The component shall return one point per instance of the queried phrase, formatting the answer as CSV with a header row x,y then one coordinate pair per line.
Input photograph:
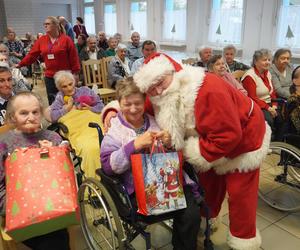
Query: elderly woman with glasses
x,y
58,52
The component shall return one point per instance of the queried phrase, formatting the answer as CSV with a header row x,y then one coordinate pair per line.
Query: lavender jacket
x,y
57,109
118,145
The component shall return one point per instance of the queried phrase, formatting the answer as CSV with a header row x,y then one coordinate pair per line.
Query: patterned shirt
x,y
15,46
3,105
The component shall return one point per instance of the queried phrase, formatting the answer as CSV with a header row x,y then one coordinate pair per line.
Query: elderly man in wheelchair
x,y
130,132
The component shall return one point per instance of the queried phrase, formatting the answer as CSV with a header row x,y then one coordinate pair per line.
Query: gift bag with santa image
x,y
158,181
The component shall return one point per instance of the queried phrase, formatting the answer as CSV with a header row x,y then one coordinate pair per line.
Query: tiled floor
x,y
279,230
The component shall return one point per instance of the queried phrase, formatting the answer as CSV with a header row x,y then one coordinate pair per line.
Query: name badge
x,y
50,56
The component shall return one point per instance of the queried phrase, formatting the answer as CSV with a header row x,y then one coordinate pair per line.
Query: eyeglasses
x,y
46,24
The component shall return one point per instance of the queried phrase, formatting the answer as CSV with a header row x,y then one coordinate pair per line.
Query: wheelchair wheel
x,y
100,222
279,184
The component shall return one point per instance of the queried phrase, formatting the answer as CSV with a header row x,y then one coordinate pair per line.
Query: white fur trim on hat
x,y
244,244
148,73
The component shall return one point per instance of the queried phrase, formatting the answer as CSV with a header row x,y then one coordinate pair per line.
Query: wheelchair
x,y
109,219
279,184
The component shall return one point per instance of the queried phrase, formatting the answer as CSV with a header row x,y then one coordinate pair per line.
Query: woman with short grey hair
x,y
118,67
229,53
281,72
258,83
70,97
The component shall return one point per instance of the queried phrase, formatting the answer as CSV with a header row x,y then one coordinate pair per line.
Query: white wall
x,y
28,15
3,24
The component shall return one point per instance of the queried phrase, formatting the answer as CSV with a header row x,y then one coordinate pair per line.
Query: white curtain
x,y
138,17
226,21
110,19
89,19
289,16
174,14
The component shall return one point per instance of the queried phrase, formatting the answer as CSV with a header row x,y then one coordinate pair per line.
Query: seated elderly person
x,y
281,72
102,40
91,51
81,43
216,65
4,50
76,108
25,111
148,48
12,60
205,54
229,53
134,49
16,48
293,102
258,83
133,131
118,36
6,91
112,45
118,67
20,83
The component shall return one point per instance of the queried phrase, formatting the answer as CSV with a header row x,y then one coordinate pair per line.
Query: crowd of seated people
x,y
263,82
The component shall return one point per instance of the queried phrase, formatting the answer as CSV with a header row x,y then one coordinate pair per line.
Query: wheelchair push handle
x,y
100,134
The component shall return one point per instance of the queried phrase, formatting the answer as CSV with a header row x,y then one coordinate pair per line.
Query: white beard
x,y
174,108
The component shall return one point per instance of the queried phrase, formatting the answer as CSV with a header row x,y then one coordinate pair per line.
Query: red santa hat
x,y
155,66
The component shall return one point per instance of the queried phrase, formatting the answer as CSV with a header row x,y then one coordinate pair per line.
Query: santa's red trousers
x,y
242,191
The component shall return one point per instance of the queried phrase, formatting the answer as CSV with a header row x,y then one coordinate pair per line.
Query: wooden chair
x,y
95,72
189,61
238,74
92,72
105,61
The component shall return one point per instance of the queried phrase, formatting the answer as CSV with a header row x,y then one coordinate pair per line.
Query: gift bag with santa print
x,y
41,192
158,179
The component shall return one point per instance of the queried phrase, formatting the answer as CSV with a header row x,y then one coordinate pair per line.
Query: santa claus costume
x,y
223,135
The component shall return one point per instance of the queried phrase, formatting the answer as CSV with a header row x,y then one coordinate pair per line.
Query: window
x,y
174,25
138,17
88,1
226,21
110,18
288,28
89,19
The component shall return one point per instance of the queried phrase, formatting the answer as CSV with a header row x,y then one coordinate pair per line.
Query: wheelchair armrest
x,y
279,100
58,126
106,178
189,170
99,130
118,191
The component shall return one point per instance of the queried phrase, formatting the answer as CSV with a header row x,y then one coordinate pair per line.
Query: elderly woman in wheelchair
x,y
280,172
75,108
134,131
25,111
